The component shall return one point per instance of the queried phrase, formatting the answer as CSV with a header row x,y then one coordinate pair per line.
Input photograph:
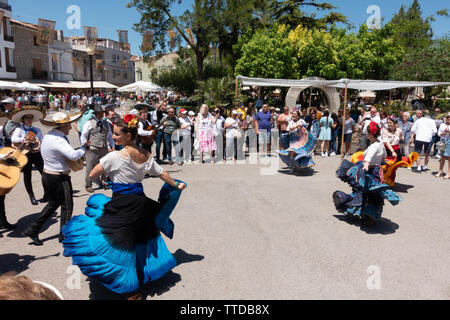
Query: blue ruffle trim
x,y
120,270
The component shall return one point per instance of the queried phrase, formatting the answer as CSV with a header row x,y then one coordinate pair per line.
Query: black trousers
x,y
2,210
60,194
36,160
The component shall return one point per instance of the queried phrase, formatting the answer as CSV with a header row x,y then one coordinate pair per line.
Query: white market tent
x,y
43,85
374,85
26,86
141,87
7,85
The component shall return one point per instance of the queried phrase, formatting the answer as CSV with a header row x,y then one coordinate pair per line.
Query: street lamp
x,y
91,52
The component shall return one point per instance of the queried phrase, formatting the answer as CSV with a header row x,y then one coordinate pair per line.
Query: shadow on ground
x,y
383,226
307,172
155,288
12,262
402,188
24,222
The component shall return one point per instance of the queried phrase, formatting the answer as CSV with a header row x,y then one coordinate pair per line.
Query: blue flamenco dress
x,y
118,242
368,193
303,144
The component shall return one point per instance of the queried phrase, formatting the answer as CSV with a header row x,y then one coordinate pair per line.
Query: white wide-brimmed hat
x,y
60,118
18,114
8,100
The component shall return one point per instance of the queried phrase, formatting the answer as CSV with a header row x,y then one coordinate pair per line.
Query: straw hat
x,y
60,118
18,114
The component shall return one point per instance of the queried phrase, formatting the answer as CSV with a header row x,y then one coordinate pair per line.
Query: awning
x,y
140,87
374,85
74,84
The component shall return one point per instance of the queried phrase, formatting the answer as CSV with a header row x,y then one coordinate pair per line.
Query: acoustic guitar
x,y
149,139
32,144
10,169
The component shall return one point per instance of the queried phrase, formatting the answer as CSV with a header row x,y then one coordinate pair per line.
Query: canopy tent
x,y
141,87
26,86
7,85
75,84
374,85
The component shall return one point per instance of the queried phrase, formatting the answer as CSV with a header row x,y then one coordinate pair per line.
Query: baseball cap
x,y
183,111
191,113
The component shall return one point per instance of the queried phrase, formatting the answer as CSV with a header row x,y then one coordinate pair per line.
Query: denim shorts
x,y
419,145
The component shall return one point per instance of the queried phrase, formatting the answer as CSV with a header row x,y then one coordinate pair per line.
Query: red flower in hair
x,y
374,129
127,118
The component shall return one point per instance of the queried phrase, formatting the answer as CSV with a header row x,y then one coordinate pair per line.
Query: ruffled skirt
x,y
368,193
303,145
118,242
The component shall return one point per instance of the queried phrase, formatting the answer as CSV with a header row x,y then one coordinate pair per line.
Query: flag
x,y
147,43
55,57
99,63
173,39
123,39
46,32
190,35
91,36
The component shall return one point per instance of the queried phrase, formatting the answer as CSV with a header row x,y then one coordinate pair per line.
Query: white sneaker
x,y
424,168
323,155
332,154
419,169
438,157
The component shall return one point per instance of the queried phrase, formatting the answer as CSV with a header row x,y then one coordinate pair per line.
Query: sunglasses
x,y
28,117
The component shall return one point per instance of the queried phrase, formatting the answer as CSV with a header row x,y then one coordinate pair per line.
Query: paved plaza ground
x,y
240,234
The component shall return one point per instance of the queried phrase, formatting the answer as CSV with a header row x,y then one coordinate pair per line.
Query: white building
x,y
60,59
7,46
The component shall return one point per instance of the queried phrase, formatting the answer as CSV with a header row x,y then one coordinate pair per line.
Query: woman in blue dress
x,y
325,133
118,242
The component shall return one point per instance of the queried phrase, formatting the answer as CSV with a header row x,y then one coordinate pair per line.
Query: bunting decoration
x,y
99,63
91,36
172,37
190,35
147,43
55,57
46,32
123,40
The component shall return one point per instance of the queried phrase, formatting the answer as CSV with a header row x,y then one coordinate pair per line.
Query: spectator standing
x,y
364,122
204,125
348,132
283,123
444,134
334,134
405,125
436,138
423,131
325,133
263,128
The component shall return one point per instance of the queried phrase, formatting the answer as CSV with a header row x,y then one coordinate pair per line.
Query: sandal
x,y
439,175
447,177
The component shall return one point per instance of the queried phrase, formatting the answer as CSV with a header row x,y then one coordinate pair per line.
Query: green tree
x,y
268,54
215,92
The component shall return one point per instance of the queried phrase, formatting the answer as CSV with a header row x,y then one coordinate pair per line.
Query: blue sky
x,y
110,15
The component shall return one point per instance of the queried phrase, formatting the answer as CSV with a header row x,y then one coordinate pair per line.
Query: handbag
x,y
237,133
216,132
440,145
196,143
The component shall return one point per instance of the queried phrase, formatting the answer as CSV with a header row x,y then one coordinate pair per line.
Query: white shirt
x,y
20,134
184,122
229,133
442,129
122,169
88,127
55,149
142,132
292,124
375,153
376,119
424,129
219,123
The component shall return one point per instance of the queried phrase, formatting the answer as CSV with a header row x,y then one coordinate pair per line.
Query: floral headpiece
x,y
130,120
374,129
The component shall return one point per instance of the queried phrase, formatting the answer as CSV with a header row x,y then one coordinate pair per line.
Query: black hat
x,y
140,106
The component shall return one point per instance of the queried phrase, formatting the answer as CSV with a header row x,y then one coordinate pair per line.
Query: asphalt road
x,y
242,234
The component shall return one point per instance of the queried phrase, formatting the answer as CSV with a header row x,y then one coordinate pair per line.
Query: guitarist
x,y
56,150
29,138
145,130
4,224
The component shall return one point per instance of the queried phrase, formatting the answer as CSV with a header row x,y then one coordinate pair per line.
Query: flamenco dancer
x,y
302,145
118,241
366,179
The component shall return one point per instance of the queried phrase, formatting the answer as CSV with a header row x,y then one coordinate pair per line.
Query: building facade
x,y
60,59
7,45
144,69
111,63
30,59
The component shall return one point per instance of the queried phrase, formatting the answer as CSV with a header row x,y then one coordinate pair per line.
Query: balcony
x,y
10,69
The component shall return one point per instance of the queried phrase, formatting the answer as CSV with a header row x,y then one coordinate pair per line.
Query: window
x,y
125,75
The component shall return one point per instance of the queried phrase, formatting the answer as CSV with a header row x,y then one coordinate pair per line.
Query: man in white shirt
x,y
56,150
98,136
423,131
366,120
